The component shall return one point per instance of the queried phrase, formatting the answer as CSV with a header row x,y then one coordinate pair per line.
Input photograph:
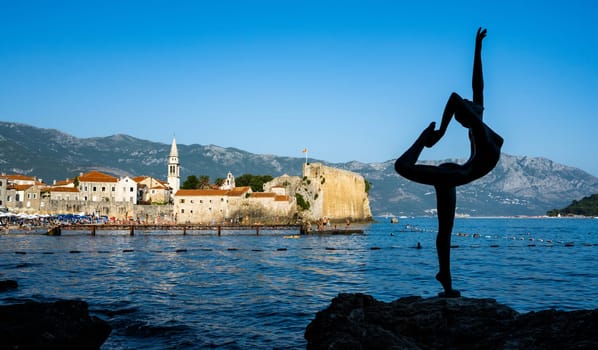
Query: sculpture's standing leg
x,y
446,202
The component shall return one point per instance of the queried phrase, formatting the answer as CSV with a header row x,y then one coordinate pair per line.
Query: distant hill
x,y
587,206
517,186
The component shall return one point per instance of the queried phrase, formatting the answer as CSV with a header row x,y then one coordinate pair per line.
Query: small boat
x,y
394,220
54,231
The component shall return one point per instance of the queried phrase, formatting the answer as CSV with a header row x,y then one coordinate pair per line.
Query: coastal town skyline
x,y
347,81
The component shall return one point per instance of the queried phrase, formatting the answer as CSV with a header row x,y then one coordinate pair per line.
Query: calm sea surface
x,y
239,290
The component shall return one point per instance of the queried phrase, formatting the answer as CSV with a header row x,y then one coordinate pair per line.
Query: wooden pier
x,y
132,228
184,229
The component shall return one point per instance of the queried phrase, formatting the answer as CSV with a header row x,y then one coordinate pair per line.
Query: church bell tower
x,y
174,177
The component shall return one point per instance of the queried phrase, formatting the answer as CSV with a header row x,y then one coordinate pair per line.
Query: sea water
x,y
161,290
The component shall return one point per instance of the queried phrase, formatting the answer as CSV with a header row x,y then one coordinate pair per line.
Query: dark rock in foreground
x,y
358,321
60,325
8,285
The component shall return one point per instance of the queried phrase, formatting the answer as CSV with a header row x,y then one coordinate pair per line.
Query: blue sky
x,y
349,80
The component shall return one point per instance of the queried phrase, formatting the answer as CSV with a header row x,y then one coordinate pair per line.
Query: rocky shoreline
x,y
358,321
63,324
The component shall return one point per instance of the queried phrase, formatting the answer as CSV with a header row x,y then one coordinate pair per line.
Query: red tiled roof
x,y
263,195
239,191
63,182
96,176
20,187
201,193
20,177
284,198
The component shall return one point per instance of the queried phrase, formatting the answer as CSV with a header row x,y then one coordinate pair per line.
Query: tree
x,y
204,182
191,183
255,181
219,181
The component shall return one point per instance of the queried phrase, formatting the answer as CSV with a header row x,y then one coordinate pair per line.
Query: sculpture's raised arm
x,y
477,80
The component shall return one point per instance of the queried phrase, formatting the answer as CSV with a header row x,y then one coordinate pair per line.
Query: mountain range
x,y
519,185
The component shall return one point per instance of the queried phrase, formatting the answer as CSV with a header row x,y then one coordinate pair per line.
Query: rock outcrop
x,y
6,285
326,192
64,324
358,321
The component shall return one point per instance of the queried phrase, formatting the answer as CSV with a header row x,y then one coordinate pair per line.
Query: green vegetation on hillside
x,y
587,206
301,202
368,186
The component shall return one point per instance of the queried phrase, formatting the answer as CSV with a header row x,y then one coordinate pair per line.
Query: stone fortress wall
x,y
119,210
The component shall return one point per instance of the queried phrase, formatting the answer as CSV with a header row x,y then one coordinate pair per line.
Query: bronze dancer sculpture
x,y
485,152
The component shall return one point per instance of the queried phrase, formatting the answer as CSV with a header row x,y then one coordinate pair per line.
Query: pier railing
x,y
131,228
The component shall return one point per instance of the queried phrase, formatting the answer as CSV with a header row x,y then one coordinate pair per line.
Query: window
x,y
182,200
113,188
131,189
28,195
93,189
182,211
103,189
8,199
35,196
